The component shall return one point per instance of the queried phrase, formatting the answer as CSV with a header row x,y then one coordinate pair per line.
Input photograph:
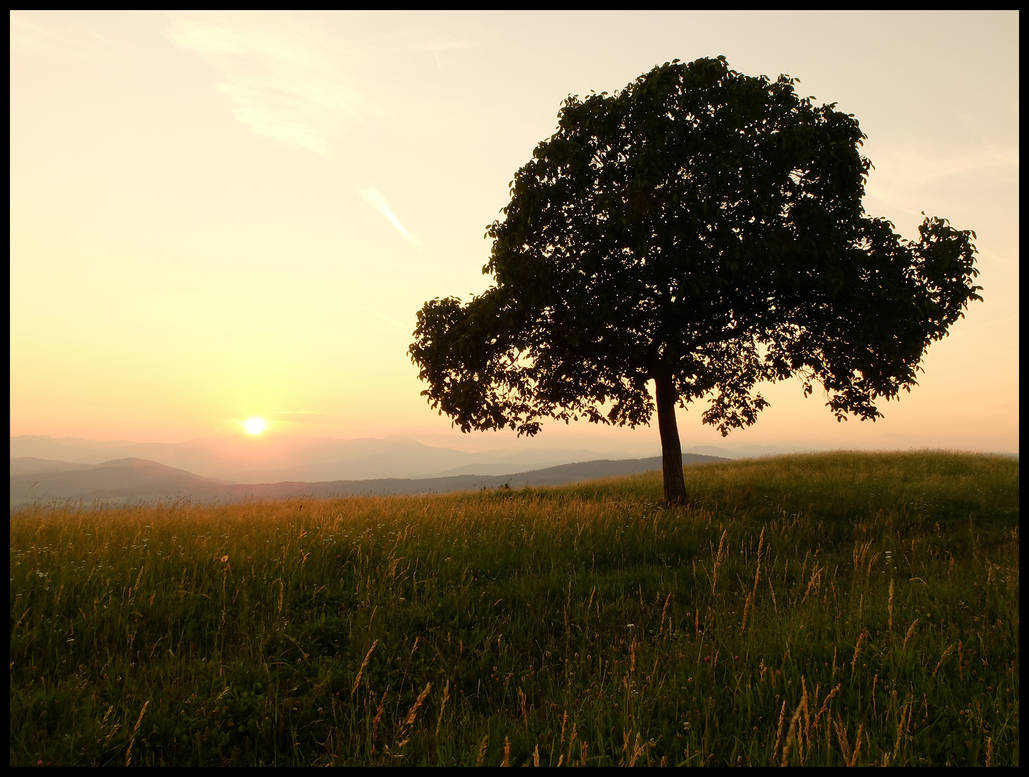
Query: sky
x,y
218,216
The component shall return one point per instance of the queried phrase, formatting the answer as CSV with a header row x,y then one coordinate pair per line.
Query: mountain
x,y
134,480
119,480
295,458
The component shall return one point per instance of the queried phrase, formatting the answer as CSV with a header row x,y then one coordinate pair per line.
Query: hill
x,y
298,458
115,480
819,610
134,480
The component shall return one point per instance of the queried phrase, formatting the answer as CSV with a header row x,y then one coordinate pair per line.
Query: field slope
x,y
814,610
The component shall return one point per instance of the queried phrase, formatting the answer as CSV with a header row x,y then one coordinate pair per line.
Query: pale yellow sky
x,y
223,215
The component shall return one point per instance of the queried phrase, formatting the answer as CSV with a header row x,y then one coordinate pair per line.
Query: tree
x,y
701,229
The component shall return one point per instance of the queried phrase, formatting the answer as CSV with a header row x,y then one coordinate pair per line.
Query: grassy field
x,y
840,609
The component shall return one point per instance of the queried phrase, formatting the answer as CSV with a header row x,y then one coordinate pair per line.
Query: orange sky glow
x,y
221,216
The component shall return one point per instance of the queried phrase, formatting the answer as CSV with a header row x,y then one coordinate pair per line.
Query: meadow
x,y
817,610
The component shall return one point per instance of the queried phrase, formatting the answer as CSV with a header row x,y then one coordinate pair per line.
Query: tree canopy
x,y
704,230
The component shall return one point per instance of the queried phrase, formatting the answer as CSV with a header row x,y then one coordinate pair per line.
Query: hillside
x,y
138,480
119,479
820,610
311,459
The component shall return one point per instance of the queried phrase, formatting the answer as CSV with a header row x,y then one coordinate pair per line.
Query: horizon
x,y
120,475
248,209
725,446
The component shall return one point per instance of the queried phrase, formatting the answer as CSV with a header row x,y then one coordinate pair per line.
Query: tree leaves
x,y
702,223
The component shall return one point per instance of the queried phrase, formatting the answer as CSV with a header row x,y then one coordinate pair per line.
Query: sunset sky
x,y
218,216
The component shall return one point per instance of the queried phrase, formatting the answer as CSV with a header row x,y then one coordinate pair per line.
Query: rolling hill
x,y
133,480
237,459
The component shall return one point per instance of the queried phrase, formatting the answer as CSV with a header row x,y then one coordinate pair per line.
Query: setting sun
x,y
255,425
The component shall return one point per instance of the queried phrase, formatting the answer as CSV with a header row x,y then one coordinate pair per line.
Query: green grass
x,y
805,610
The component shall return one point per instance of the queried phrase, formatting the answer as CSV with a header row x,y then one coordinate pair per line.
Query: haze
x,y
221,216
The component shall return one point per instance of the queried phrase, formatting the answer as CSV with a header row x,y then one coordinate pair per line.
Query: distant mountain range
x,y
238,459
135,480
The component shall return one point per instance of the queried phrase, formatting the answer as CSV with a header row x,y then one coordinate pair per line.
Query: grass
x,y
819,610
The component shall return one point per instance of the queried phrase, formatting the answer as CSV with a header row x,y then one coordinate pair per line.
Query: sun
x,y
255,426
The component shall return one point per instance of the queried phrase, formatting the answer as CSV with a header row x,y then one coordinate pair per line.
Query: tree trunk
x,y
671,450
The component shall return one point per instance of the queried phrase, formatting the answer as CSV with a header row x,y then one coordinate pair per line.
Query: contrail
x,y
376,199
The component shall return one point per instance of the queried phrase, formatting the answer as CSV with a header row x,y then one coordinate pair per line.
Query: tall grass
x,y
842,609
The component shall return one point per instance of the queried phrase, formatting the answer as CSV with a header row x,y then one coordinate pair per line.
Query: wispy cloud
x,y
282,84
377,200
422,39
416,41
391,321
919,166
48,34
903,175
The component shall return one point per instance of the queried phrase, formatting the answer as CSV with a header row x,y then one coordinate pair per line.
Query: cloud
x,y
391,321
377,200
433,45
904,175
281,83
920,166
424,38
65,36
277,113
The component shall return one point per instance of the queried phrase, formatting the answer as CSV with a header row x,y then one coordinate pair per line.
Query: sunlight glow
x,y
300,183
255,426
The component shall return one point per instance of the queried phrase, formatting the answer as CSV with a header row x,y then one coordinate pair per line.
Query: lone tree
x,y
701,229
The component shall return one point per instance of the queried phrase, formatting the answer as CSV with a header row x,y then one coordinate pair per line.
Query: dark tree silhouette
x,y
701,229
